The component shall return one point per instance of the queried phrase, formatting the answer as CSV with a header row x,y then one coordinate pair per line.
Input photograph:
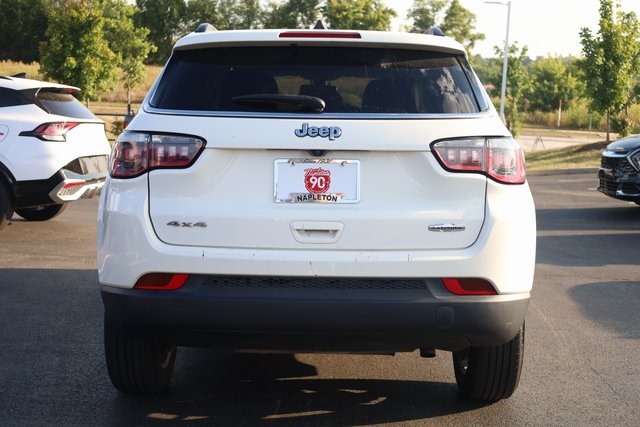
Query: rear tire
x,y
41,213
490,373
6,205
137,365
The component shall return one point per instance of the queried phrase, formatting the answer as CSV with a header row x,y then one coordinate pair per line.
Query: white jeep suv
x,y
317,191
52,149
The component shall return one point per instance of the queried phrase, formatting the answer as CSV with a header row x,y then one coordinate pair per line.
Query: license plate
x,y
316,181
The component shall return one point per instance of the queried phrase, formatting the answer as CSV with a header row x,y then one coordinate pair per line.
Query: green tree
x,y
164,19
518,85
426,14
453,19
358,14
128,42
22,27
200,11
459,23
249,12
553,80
228,18
238,14
488,69
611,59
76,51
292,14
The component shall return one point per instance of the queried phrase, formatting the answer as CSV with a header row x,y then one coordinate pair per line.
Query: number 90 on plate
x,y
332,181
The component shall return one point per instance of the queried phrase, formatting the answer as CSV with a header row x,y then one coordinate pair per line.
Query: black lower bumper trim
x,y
37,192
299,320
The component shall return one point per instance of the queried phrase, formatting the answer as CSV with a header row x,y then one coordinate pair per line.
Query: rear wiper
x,y
282,103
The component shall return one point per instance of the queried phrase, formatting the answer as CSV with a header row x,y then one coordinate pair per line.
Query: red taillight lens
x,y
135,153
469,286
52,131
161,281
501,159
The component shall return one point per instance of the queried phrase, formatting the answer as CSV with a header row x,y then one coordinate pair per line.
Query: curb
x,y
546,172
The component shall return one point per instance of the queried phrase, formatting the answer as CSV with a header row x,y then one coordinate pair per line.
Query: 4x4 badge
x,y
331,132
187,224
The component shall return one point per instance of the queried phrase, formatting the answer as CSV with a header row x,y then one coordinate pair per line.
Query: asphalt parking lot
x,y
582,365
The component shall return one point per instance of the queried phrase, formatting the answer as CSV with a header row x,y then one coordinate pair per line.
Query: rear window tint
x,y
63,104
348,80
11,98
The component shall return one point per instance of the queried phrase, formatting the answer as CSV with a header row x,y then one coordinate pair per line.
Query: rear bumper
x,y
79,187
82,178
334,315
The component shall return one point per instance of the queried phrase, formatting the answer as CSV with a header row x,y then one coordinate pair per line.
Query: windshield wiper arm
x,y
282,103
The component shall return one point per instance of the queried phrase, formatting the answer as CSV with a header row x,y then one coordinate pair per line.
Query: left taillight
x,y
135,153
501,159
55,131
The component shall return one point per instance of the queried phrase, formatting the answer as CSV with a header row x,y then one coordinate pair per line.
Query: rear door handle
x,y
316,231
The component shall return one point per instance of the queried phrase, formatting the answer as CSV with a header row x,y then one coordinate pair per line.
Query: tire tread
x,y
494,371
134,365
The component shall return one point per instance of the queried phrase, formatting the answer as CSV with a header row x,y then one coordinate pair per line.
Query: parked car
x,y
317,191
52,149
619,173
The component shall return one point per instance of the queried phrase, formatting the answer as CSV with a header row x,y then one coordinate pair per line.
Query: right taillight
x,y
501,159
135,153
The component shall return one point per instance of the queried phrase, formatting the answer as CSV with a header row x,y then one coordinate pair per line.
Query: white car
x,y
317,191
52,149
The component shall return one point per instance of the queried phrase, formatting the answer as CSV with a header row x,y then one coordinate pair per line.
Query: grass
x,y
9,68
574,157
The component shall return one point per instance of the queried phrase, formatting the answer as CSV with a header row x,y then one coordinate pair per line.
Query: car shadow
x,y
212,388
614,305
53,372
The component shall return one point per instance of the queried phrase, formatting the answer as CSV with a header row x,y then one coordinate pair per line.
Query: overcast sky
x,y
547,27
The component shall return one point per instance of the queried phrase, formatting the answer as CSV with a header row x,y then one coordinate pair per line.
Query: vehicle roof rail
x,y
20,75
435,31
205,27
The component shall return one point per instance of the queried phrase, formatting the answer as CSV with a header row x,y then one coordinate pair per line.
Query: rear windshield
x,y
62,104
347,80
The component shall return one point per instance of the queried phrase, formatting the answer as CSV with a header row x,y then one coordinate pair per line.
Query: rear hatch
x,y
279,170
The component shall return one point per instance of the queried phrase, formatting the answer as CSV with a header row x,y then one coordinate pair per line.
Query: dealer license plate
x,y
316,181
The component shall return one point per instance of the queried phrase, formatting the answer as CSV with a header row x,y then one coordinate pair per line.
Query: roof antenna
x,y
205,27
319,25
434,31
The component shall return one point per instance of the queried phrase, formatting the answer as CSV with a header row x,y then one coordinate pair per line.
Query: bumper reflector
x,y
161,281
469,286
71,188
